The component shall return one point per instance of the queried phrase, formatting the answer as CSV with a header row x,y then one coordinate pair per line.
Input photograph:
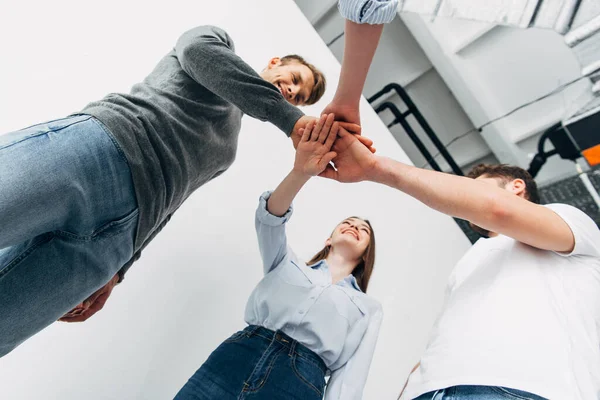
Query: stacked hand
x,y
324,141
314,153
353,162
346,113
351,127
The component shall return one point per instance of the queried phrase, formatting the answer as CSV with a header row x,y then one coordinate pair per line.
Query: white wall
x,y
188,292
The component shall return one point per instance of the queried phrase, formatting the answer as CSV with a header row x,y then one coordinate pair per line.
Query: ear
x,y
274,62
328,242
518,187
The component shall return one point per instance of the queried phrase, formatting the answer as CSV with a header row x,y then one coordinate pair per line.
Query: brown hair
x,y
363,270
319,84
508,173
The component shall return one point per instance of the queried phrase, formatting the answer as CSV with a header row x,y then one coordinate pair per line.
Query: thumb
x,y
324,162
329,173
365,140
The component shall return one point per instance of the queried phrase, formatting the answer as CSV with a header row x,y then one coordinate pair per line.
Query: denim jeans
x,y
258,364
478,393
68,216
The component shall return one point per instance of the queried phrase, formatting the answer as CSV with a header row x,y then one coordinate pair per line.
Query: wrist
x,y
299,176
381,171
344,98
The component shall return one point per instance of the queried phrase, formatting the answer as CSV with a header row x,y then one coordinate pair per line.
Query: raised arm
x,y
487,206
363,28
312,156
207,55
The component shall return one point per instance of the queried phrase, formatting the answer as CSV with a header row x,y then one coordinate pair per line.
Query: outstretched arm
x,y
364,25
485,205
359,49
207,55
312,156
274,210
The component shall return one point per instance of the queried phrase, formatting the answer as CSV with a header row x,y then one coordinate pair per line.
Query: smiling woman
x,y
362,231
304,320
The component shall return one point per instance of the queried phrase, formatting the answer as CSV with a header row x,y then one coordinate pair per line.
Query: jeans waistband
x,y
286,341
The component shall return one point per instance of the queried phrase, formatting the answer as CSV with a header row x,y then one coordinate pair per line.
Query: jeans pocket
x,y
309,373
115,227
514,394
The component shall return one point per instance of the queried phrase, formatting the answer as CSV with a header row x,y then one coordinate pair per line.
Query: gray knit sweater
x,y
179,127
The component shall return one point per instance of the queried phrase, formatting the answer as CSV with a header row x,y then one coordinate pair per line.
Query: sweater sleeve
x,y
207,55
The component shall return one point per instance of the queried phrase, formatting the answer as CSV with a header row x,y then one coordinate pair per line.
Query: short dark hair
x,y
319,79
508,173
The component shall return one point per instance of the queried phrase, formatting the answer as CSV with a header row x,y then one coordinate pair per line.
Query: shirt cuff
x,y
265,217
374,12
285,115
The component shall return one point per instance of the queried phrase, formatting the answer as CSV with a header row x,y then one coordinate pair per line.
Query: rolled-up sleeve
x,y
348,382
372,12
270,230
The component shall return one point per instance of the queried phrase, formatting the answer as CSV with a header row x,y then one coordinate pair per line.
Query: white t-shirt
x,y
520,317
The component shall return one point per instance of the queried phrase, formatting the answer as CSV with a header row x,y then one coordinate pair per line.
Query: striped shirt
x,y
372,12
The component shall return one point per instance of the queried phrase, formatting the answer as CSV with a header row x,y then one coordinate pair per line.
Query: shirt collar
x,y
350,280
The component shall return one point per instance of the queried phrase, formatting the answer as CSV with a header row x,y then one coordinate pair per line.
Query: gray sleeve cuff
x,y
265,217
285,115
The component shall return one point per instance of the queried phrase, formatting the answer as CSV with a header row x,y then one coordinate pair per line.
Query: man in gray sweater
x,y
82,196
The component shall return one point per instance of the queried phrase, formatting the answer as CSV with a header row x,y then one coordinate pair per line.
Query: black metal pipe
x,y
400,119
542,156
412,108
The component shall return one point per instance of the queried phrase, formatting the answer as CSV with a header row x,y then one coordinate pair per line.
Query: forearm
x,y
359,49
282,197
449,194
491,207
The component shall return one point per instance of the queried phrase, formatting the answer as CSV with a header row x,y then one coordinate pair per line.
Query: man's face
x,y
295,81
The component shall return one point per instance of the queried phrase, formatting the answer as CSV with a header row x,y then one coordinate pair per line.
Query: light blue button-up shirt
x,y
369,11
338,321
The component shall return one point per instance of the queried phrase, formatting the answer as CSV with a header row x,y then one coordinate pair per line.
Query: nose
x,y
292,90
353,226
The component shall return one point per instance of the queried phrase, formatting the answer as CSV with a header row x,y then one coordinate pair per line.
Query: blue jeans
x,y
68,217
478,393
257,364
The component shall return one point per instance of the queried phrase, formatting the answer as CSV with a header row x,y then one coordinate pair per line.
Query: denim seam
x,y
268,371
45,132
236,337
262,336
506,393
11,265
311,361
87,238
113,140
299,375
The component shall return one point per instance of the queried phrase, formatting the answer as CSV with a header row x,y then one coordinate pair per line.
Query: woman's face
x,y
353,234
